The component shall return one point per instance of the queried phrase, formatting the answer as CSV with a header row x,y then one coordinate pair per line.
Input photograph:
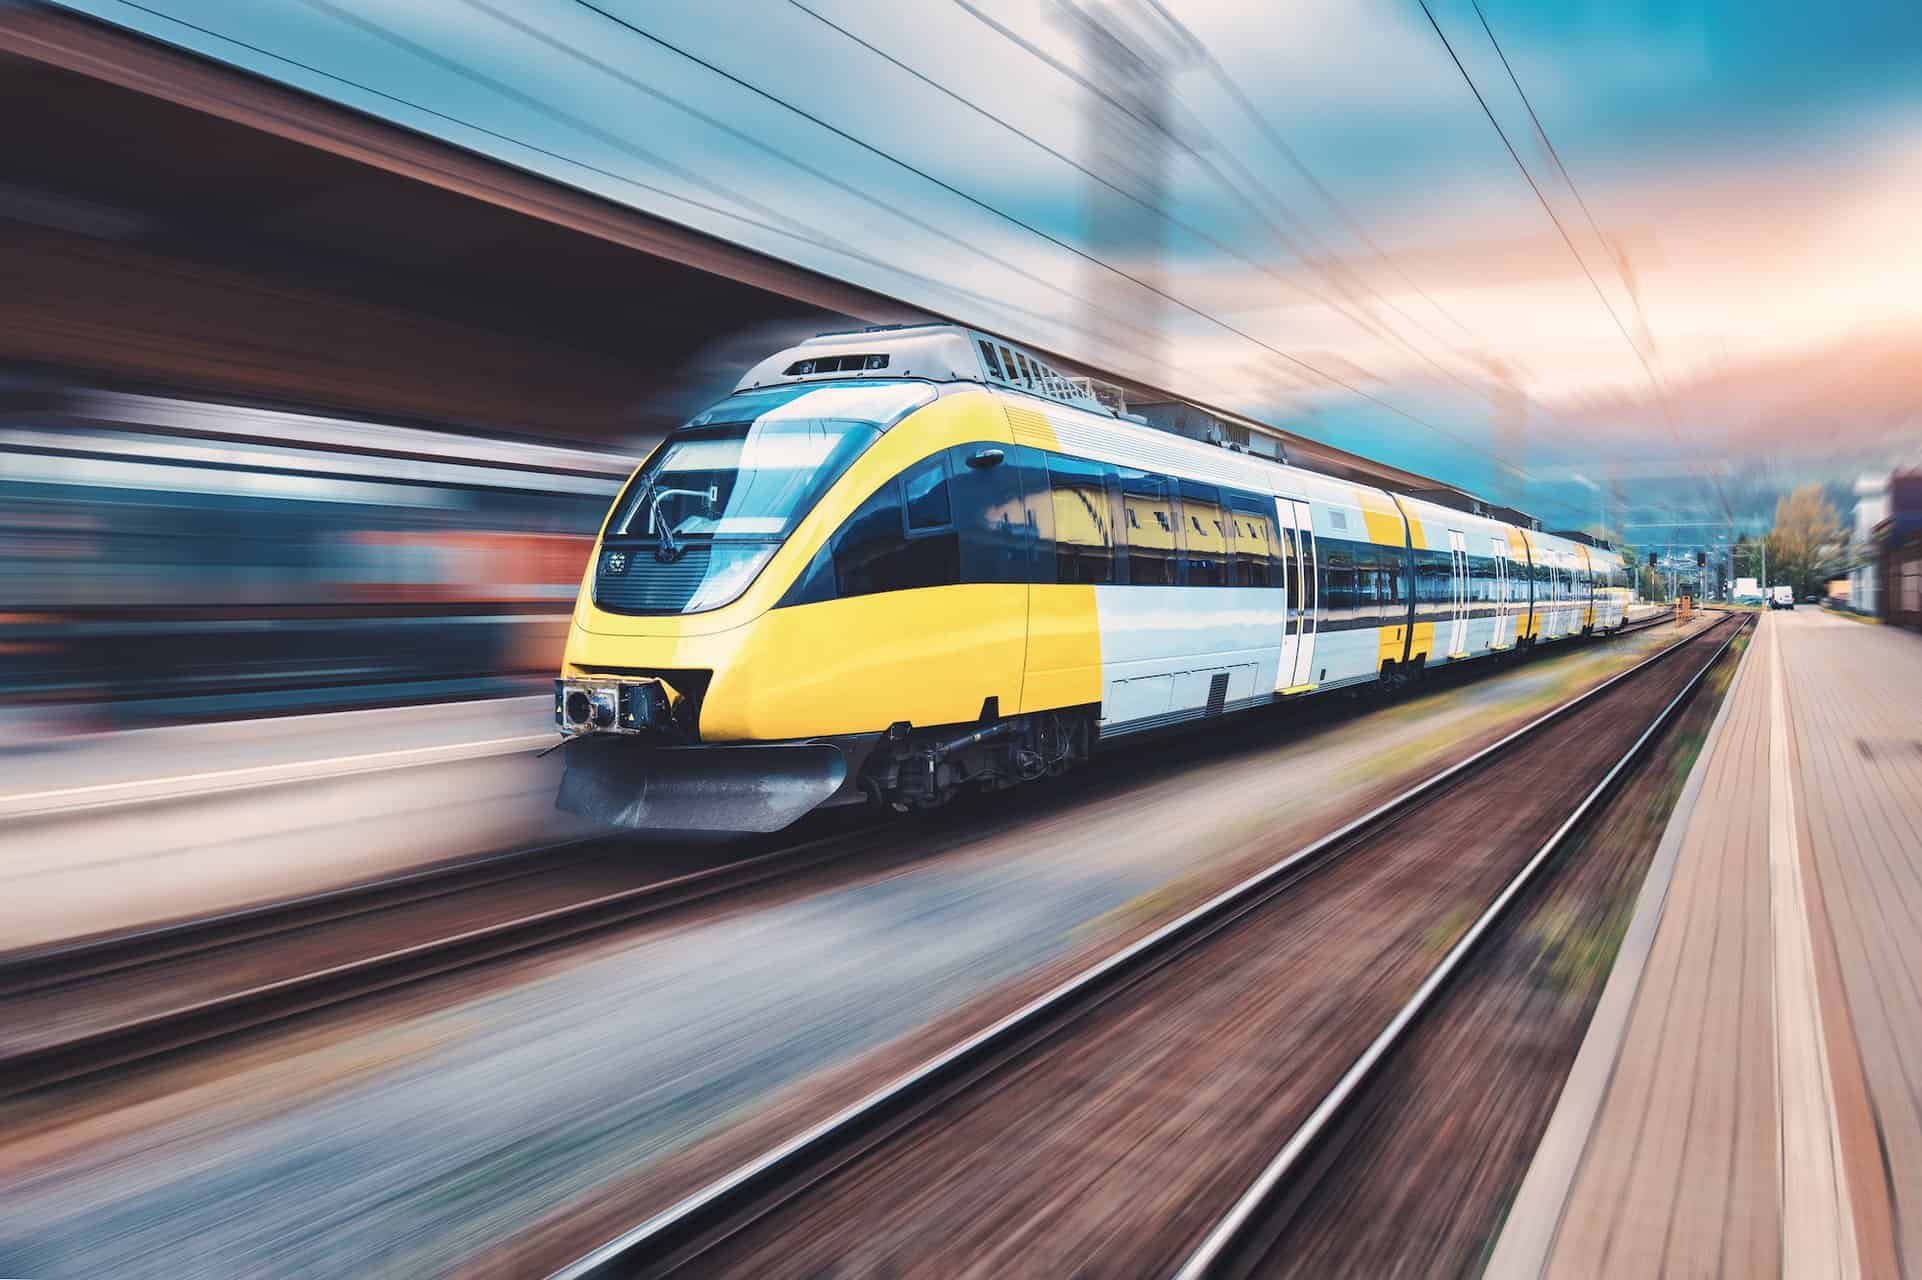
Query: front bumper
x,y
625,781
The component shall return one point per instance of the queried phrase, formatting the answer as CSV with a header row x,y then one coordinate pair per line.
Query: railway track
x,y
78,1010
937,1163
74,1011
1245,1234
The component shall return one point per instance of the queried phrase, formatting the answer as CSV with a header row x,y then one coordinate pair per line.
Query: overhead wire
x,y
1273,136
787,229
1556,156
1200,49
1348,219
1562,230
794,230
392,37
1159,211
1076,77
534,33
1150,207
1002,214
804,235
1261,212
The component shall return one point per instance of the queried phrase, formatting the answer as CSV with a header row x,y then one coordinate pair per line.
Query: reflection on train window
x,y
1434,585
1337,564
991,515
1152,558
927,495
872,553
1256,556
1206,548
1083,539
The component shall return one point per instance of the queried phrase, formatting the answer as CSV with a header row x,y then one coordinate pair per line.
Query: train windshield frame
x,y
721,494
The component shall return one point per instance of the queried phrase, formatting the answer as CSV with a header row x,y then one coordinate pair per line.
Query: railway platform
x,y
1746,1099
120,830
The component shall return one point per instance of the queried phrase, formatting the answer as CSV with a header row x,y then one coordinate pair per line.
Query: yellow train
x,y
898,563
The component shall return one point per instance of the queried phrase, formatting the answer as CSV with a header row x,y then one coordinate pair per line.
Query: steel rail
x,y
170,1030
660,1241
1218,1249
56,964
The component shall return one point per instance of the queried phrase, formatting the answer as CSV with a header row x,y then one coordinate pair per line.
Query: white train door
x,y
1504,636
1458,557
1301,591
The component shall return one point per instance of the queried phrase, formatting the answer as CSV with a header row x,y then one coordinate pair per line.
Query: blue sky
x,y
1751,168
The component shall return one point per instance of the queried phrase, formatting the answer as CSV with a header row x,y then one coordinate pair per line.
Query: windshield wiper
x,y
711,495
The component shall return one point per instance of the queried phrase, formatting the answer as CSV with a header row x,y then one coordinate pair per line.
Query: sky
x,y
1708,291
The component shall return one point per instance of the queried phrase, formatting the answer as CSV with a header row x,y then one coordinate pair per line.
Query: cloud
x,y
1754,176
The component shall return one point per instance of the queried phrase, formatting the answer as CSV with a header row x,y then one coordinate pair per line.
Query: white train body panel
x,y
1172,653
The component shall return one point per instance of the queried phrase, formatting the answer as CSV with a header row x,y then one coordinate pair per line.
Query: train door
x,y
1551,595
1302,594
1585,616
1458,596
1504,635
1558,591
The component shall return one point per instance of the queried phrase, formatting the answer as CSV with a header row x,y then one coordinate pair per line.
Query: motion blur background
x,y
329,326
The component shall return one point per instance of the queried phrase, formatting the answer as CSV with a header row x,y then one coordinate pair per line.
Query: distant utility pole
x,y
1128,122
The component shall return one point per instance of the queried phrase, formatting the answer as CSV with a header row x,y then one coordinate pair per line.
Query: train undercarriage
x,y
633,759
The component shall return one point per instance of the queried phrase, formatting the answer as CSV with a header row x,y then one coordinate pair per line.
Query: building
x,y
1898,539
1865,567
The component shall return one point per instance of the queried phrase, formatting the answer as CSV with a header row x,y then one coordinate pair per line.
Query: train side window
x,y
1373,593
988,358
1203,540
873,552
1030,466
1434,584
1083,535
1153,560
990,515
865,549
927,495
1392,565
1337,565
1256,543
1292,561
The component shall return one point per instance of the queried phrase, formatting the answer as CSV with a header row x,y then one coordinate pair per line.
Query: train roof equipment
x,y
942,351
939,353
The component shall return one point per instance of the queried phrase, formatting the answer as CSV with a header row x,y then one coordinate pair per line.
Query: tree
x,y
1806,541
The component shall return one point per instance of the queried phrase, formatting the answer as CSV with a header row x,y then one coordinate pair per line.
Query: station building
x,y
1894,553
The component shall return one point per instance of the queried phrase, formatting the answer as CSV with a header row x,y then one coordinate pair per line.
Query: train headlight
x,y
623,706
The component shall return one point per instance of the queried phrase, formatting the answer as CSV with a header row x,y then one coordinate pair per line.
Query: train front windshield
x,y
722,493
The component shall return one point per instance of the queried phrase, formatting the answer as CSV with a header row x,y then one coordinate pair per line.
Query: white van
x,y
1782,597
